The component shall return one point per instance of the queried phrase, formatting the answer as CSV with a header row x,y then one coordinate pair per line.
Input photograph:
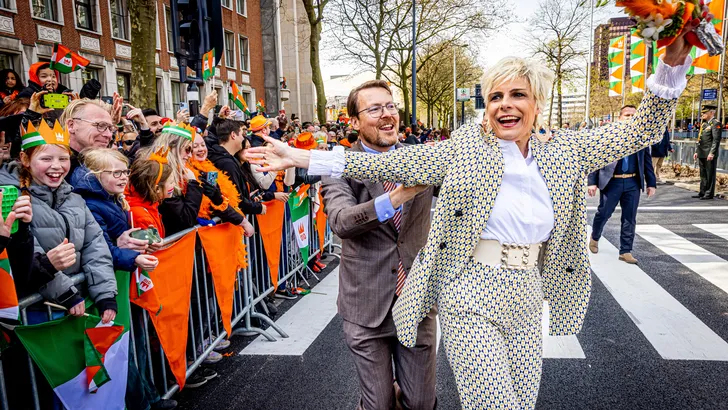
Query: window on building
x,y
92,74
85,12
176,96
168,24
229,49
6,4
244,54
242,7
7,61
226,3
123,83
119,19
45,9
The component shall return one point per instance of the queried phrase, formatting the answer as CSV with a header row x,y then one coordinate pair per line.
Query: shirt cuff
x,y
328,163
383,207
669,82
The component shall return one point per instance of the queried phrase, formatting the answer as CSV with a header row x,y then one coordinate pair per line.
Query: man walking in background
x,y
621,183
658,152
382,227
707,151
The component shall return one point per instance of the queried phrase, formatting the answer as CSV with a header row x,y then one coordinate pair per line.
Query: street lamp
x,y
589,65
455,84
414,64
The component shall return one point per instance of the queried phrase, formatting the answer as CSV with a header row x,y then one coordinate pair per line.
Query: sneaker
x,y
165,404
315,268
195,381
593,246
207,373
222,345
321,265
627,257
284,294
212,358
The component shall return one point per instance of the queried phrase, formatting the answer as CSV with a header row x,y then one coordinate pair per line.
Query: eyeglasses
x,y
128,142
100,126
376,111
119,172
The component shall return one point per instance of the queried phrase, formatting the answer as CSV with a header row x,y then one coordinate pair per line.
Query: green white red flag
x,y
208,65
66,61
298,203
236,96
8,297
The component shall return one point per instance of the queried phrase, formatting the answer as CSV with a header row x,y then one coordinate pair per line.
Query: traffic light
x,y
196,28
479,102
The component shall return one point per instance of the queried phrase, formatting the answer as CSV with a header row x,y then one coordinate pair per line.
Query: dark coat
x,y
231,166
180,212
662,148
107,211
645,172
33,88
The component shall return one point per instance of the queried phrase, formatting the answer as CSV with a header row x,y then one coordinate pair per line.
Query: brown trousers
x,y
376,349
657,165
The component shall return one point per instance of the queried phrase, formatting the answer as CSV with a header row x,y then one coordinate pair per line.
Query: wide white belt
x,y
510,255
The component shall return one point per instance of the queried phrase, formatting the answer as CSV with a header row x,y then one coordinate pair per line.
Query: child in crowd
x,y
10,85
42,78
151,180
67,237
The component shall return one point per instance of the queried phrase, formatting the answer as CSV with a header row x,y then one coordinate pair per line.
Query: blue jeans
x,y
626,193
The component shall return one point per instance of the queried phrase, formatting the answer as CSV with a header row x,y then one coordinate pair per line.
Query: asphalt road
x,y
677,358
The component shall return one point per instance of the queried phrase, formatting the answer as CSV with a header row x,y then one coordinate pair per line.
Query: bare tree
x,y
315,15
558,30
143,49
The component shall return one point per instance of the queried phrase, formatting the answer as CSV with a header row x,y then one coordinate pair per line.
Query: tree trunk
x,y
143,51
316,77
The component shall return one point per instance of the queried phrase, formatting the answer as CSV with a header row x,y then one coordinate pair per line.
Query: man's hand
x,y
282,196
135,114
591,190
209,103
224,112
277,156
183,116
116,108
248,229
651,191
62,256
401,194
146,262
710,157
125,241
35,103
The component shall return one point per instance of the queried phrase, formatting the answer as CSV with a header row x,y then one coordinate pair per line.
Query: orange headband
x,y
161,158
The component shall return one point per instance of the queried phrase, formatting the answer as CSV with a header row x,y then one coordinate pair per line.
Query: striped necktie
x,y
397,219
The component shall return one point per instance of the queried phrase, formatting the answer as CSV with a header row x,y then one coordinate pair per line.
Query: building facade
x,y
615,27
296,60
573,109
100,31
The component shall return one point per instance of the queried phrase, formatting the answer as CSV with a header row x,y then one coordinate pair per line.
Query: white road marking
x,y
720,230
670,208
303,322
674,331
559,347
711,267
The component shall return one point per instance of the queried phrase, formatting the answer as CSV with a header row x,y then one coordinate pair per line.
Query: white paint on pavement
x,y
720,230
303,322
711,267
559,347
674,331
670,208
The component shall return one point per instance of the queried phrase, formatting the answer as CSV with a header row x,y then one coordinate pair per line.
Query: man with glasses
x,y
89,125
382,228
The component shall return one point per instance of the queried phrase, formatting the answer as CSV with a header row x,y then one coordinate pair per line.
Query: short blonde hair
x,y
539,77
79,105
98,159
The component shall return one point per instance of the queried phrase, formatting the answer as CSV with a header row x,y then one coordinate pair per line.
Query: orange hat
x,y
258,123
345,143
305,141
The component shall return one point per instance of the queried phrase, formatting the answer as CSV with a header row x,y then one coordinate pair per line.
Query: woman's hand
x,y
146,262
35,103
125,241
190,175
135,114
248,229
21,211
224,112
183,116
277,156
108,316
62,256
282,196
676,52
116,108
78,310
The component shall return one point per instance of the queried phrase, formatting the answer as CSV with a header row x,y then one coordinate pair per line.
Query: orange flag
x,y
173,286
270,226
321,222
224,265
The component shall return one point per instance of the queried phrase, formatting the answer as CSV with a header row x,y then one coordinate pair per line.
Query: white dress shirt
x,y
523,212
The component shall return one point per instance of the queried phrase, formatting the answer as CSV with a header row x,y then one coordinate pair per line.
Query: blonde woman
x,y
509,228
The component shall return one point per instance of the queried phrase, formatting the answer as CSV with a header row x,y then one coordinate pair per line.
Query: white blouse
x,y
523,212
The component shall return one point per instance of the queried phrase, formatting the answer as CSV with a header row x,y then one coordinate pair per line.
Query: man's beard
x,y
377,139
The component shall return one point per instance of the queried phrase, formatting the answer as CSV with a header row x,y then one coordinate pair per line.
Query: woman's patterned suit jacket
x,y
469,168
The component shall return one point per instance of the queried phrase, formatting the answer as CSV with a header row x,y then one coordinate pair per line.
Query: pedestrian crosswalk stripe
x,y
674,331
720,230
712,268
559,347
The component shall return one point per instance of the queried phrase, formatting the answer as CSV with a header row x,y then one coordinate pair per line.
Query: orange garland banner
x,y
321,222
223,265
270,227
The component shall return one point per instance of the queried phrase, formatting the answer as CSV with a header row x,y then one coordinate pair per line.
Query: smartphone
x,y
124,110
55,100
212,178
108,100
184,106
151,235
256,196
10,194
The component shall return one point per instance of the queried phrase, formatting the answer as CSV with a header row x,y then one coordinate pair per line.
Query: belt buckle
x,y
515,256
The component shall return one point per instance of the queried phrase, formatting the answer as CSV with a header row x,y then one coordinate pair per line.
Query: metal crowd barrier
x,y
253,286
